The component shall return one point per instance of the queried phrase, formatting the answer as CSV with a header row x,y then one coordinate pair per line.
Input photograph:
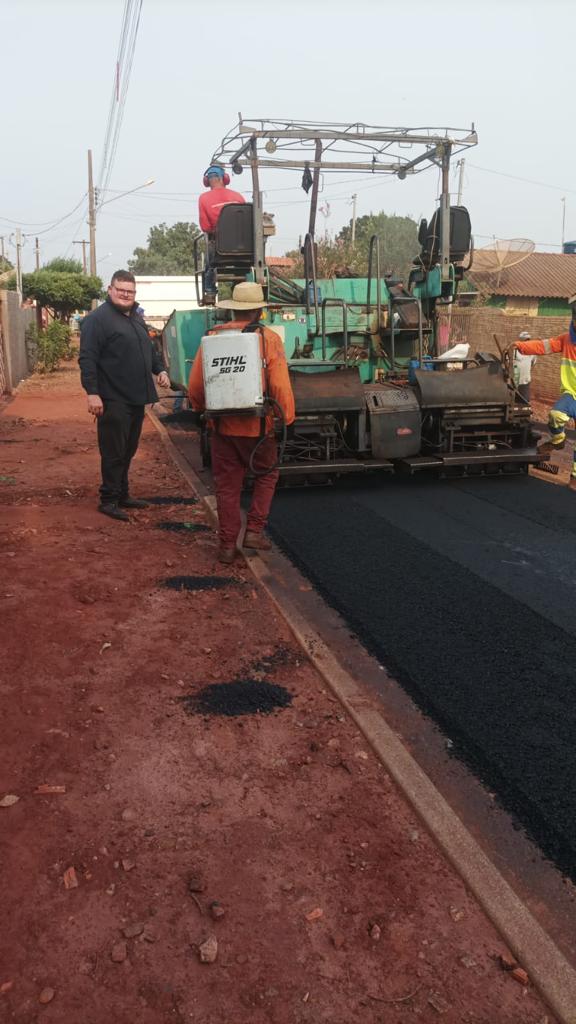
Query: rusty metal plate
x,y
327,391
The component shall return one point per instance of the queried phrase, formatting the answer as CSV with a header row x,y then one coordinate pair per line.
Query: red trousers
x,y
230,461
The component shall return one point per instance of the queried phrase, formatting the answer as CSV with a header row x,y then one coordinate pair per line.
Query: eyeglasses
x,y
123,291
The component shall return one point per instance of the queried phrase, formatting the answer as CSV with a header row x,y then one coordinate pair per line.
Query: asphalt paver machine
x,y
371,387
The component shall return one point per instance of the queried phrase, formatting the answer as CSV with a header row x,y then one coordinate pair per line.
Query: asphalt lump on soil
x,y
239,697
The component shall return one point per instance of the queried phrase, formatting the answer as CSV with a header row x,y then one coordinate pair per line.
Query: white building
x,y
160,296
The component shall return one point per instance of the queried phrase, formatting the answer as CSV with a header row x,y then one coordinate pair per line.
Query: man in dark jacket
x,y
117,360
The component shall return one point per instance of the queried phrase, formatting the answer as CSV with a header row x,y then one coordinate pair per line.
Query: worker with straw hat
x,y
245,442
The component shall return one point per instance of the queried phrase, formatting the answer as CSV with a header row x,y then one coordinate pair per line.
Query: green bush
x,y
47,348
32,346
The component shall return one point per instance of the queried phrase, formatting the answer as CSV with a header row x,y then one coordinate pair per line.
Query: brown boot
x,y
256,541
226,555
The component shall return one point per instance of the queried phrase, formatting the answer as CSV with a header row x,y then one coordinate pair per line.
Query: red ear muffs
x,y
226,180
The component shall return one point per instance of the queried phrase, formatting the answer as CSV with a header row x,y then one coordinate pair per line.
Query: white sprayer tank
x,y
233,372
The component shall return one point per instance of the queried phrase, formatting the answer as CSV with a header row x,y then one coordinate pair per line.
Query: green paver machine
x,y
371,387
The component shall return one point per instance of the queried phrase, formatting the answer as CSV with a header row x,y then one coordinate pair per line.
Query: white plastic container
x,y
233,372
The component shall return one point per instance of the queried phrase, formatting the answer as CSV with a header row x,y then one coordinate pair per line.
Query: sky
x,y
502,66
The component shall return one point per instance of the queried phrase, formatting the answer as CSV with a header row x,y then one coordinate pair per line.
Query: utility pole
x,y
19,261
563,201
83,242
460,164
91,215
354,198
2,253
38,306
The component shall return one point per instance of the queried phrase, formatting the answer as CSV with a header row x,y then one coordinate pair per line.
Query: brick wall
x,y
479,325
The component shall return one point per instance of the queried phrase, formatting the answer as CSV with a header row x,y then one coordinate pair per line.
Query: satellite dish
x,y
491,260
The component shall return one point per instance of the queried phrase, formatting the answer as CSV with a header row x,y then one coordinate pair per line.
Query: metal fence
x,y
14,363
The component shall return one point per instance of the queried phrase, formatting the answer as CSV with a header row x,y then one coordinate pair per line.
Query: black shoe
x,y
111,509
133,503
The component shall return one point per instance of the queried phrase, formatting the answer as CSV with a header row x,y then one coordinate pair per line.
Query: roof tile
x,y
542,275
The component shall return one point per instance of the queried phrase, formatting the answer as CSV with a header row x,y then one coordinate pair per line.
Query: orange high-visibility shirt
x,y
278,386
562,343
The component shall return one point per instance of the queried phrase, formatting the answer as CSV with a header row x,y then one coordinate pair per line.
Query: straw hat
x,y
246,295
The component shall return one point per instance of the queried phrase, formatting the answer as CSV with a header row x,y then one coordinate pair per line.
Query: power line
x,y
527,181
53,223
76,229
115,96
126,49
56,224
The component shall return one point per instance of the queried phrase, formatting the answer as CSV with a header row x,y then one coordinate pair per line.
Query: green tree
x,y
61,292
63,266
398,247
398,240
334,258
5,265
169,250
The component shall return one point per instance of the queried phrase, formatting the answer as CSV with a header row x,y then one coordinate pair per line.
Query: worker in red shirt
x,y
209,209
235,437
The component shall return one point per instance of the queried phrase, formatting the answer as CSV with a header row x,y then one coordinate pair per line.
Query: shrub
x,y
47,348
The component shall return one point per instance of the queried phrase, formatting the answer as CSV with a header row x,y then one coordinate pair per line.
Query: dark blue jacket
x,y
117,357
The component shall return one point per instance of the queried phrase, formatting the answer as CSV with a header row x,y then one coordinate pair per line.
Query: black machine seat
x,y
234,237
460,236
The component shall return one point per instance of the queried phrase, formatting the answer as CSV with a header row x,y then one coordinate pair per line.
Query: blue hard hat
x,y
215,171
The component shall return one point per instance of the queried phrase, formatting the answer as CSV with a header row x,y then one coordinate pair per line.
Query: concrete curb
x,y
547,967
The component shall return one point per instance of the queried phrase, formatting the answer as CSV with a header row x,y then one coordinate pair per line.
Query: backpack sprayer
x,y
234,372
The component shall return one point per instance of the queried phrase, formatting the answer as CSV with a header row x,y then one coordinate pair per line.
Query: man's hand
x,y
164,379
95,405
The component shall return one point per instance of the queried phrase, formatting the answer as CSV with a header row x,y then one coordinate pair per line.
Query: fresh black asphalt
x,y
465,591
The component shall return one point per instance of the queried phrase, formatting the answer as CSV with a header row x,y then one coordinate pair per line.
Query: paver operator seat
x,y
234,241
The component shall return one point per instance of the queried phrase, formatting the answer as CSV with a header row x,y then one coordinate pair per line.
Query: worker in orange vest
x,y
235,438
565,408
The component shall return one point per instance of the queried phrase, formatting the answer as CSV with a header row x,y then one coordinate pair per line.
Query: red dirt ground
x,y
274,817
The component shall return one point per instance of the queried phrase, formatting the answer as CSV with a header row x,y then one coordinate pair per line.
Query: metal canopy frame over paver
x,y
359,147
293,144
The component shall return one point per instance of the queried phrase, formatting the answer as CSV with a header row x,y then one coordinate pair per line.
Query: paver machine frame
x,y
372,389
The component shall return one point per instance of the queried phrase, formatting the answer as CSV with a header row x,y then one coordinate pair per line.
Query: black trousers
x,y
119,429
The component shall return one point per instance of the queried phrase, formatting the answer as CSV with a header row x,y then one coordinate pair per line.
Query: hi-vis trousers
x,y
559,415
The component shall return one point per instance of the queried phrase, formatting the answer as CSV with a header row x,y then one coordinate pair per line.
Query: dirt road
x,y
277,835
